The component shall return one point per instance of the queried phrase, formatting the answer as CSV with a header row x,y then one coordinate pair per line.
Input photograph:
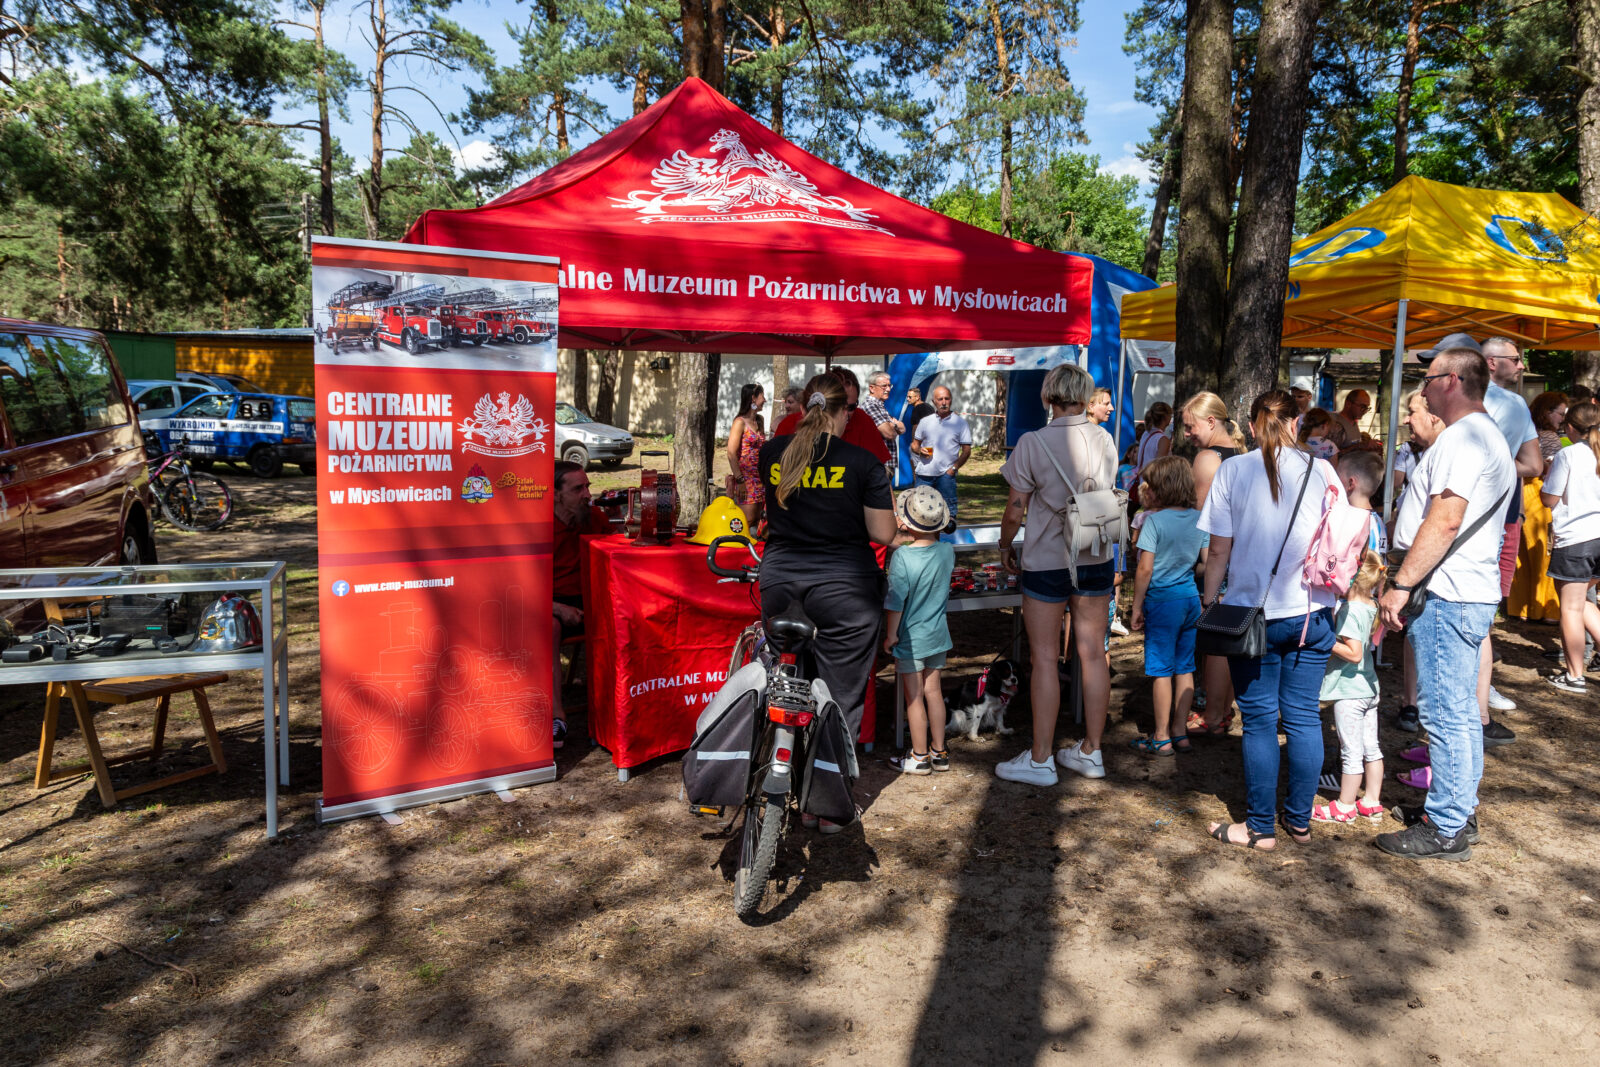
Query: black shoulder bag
x,y
1234,629
1418,593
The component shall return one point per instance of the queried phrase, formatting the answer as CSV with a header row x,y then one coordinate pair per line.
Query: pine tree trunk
x,y
1157,238
1254,335
1204,195
372,189
780,30
324,130
580,379
780,385
605,400
1003,68
704,41
694,385
1586,23
1402,96
996,445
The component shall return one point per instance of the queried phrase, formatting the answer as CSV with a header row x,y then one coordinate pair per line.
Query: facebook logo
x,y
341,588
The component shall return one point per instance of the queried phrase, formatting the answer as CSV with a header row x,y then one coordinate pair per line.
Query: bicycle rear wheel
x,y
763,827
197,503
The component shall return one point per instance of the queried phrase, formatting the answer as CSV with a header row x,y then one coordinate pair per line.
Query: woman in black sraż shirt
x,y
828,502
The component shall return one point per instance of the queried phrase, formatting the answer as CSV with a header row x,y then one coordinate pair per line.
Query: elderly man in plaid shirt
x,y
877,392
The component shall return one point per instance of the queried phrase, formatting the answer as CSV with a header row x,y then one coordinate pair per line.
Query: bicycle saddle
x,y
790,630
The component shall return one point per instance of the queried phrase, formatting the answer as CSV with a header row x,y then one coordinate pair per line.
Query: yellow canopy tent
x,y
1423,260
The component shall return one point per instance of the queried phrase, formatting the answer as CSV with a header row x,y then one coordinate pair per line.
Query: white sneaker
x,y
1118,629
1499,702
1021,768
1090,766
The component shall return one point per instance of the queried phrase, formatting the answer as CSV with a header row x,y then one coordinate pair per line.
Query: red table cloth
x,y
660,631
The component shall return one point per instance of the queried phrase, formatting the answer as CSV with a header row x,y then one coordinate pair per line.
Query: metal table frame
x,y
271,591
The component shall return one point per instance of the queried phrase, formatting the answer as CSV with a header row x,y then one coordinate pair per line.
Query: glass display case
x,y
82,624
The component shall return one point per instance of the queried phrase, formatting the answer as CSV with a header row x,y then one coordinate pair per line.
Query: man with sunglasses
x,y
1459,485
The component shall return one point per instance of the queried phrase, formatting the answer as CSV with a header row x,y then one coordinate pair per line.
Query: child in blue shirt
x,y
1166,601
915,632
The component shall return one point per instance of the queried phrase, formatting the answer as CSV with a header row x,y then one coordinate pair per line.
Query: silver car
x,y
580,439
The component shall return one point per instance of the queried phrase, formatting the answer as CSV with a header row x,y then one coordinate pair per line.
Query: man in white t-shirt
x,y
941,445
1461,484
1505,405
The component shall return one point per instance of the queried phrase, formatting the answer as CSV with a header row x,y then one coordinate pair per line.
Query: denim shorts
x,y
1575,563
926,663
1169,627
1054,587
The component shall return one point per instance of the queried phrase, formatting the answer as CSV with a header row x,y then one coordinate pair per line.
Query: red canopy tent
x,y
692,227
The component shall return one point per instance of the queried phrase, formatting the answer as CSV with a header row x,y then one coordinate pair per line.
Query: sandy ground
x,y
965,920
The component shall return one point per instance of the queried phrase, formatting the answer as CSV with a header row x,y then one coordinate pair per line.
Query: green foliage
x,y
141,222
420,177
1067,205
1004,77
1493,103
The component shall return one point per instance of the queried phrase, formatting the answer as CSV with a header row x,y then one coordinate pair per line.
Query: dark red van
x,y
74,490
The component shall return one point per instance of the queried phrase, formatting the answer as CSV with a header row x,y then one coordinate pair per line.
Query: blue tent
x,y
1028,366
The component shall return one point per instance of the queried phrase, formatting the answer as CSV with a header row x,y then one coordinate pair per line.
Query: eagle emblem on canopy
x,y
739,187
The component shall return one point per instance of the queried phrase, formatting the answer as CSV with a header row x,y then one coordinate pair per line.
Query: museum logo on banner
x,y
739,188
503,426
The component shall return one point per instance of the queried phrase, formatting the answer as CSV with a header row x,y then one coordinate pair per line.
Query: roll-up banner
x,y
436,377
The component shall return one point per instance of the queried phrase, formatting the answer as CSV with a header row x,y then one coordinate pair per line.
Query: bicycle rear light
x,y
785,717
782,755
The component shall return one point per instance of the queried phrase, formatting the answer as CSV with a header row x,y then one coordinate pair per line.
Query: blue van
x,y
260,429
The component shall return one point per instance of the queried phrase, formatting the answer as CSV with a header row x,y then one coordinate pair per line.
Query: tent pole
x,y
1122,366
1394,411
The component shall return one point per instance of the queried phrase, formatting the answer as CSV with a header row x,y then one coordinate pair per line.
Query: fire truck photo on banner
x,y
436,374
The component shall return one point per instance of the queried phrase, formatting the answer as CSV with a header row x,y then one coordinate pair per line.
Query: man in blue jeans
x,y
1465,476
941,444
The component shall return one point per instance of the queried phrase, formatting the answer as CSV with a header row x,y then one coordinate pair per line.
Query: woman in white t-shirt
x,y
1252,516
1572,491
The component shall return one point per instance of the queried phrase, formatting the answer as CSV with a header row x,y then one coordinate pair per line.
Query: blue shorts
x,y
1054,587
1169,627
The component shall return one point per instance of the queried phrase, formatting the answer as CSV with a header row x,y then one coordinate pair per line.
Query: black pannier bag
x,y
825,792
716,769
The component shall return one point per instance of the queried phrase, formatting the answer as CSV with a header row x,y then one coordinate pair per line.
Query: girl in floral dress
x,y
745,438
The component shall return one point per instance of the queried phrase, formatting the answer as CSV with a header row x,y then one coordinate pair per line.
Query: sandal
x,y
1197,724
1300,835
1416,754
1417,778
1333,811
1180,743
1220,832
1151,747
1369,811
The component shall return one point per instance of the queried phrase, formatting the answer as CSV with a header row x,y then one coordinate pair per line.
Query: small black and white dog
x,y
984,701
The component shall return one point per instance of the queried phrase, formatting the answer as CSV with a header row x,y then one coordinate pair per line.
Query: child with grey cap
x,y
915,632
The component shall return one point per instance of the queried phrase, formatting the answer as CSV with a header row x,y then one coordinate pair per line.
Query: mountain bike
x,y
191,500
788,746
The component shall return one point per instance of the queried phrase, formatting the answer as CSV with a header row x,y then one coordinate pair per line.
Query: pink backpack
x,y
1337,544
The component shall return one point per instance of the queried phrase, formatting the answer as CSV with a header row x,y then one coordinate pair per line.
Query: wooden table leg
x,y
47,733
213,742
158,739
91,741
